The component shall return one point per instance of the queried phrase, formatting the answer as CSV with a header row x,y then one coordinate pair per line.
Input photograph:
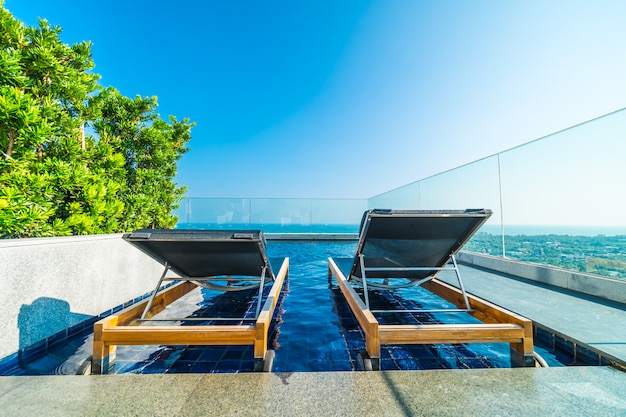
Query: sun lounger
x,y
403,248
215,259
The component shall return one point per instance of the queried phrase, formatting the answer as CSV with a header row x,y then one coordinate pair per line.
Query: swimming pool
x,y
313,329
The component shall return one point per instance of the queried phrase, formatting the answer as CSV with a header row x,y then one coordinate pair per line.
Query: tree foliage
x,y
56,176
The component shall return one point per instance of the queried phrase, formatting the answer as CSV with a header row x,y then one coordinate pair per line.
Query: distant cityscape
x,y
600,254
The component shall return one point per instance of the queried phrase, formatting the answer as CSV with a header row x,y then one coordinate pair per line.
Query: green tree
x,y
54,178
150,147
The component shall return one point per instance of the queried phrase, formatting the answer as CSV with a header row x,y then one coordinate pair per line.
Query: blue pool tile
x,y
400,353
43,364
246,365
342,365
105,314
431,363
90,322
385,353
33,351
191,354
154,368
544,336
212,354
76,330
407,364
338,355
203,367
355,344
227,366
57,338
9,364
469,363
170,354
179,367
318,365
587,356
233,354
63,350
139,367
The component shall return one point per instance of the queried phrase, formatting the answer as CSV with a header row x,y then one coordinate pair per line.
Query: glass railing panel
x,y
272,215
281,215
562,192
337,215
569,179
214,213
182,213
406,197
471,186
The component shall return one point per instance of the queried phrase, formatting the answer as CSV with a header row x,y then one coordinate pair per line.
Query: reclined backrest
x,y
203,253
413,238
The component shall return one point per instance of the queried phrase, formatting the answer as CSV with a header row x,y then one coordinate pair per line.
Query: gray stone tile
x,y
597,391
594,390
8,384
155,395
288,394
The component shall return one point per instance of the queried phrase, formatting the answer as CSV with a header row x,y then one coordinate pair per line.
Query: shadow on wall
x,y
45,317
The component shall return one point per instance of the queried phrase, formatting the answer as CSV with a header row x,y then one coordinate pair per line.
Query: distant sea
x,y
275,228
512,230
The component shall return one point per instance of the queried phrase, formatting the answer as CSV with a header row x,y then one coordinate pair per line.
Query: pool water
x,y
313,328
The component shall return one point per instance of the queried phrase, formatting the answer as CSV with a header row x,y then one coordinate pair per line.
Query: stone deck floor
x,y
583,391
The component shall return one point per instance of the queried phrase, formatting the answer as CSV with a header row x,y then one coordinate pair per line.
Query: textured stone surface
x,y
597,391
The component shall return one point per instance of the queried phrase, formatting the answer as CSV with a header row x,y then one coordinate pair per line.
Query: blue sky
x,y
351,98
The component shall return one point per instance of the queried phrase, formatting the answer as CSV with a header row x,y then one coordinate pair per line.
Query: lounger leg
x,y
261,286
258,364
372,340
102,364
461,287
520,359
364,280
103,354
154,293
367,362
372,345
266,363
263,357
260,344
522,352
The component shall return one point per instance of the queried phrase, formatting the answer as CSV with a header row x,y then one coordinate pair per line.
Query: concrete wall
x,y
50,284
606,288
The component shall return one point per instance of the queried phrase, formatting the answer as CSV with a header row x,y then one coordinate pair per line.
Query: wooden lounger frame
x,y
498,324
121,328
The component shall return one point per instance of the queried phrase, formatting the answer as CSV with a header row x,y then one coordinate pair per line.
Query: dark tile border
x,y
581,353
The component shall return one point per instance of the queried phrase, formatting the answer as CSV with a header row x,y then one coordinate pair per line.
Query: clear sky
x,y
350,98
